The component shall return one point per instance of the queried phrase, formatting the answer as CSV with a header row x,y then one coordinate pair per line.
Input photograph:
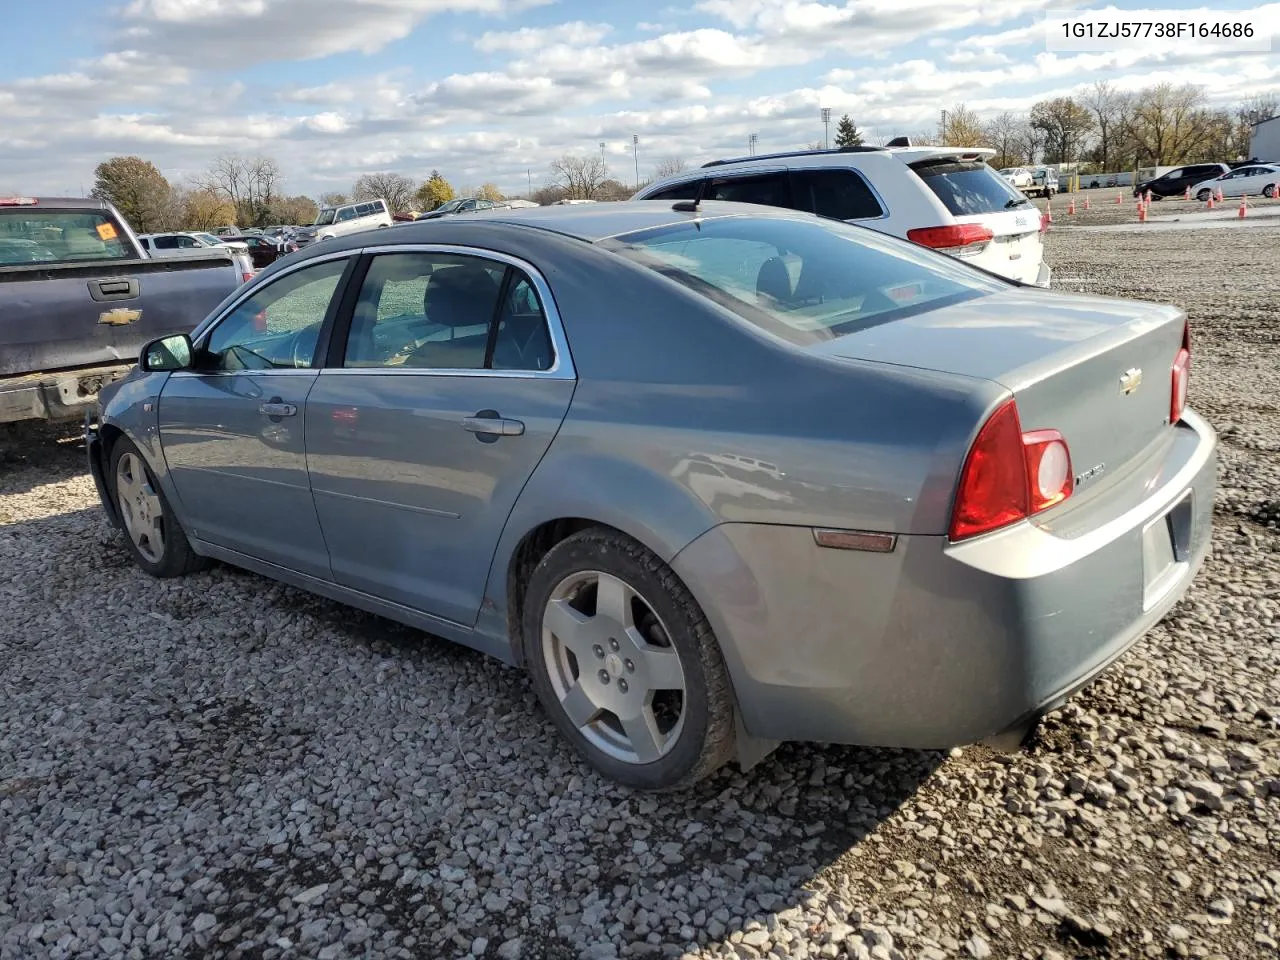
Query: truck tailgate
x,y
57,317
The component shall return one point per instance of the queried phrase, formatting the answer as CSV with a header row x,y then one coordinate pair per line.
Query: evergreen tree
x,y
847,135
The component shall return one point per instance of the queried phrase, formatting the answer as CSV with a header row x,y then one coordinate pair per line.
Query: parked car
x,y
345,219
1019,177
78,294
177,244
946,198
265,250
1259,179
1174,183
505,427
461,205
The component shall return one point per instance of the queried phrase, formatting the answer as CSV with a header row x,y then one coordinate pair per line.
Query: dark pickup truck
x,y
79,297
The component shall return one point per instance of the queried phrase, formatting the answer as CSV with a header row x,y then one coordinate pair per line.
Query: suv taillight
x,y
960,239
1009,475
1181,377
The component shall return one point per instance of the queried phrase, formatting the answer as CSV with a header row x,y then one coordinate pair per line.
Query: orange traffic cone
x,y
1241,212
1048,211
1071,207
1220,196
1142,212
1209,202
1148,197
1119,198
1086,203
1187,193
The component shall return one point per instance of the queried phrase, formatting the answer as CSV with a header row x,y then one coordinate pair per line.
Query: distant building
x,y
1264,144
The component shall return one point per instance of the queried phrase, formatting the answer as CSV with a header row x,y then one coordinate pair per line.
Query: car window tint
x,y
278,326
346,213
166,243
31,235
428,311
841,194
804,280
1174,174
681,191
967,188
522,341
364,210
770,190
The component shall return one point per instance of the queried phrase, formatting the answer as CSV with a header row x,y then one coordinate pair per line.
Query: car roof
x,y
63,203
591,222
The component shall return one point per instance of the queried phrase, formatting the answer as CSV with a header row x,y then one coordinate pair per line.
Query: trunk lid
x,y
1096,369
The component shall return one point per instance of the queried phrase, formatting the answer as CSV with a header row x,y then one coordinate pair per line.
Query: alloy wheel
x,y
140,507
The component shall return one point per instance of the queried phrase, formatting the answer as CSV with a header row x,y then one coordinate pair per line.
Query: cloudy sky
x,y
495,89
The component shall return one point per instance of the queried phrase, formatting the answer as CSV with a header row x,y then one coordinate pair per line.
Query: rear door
x,y
974,193
438,403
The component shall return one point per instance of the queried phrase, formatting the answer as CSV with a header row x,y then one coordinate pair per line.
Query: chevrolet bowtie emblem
x,y
119,317
1130,380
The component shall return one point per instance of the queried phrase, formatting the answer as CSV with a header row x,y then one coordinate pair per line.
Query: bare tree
x,y
961,128
1003,133
669,167
252,184
394,188
1065,124
1030,142
1170,125
580,176
1110,110
333,198
1252,110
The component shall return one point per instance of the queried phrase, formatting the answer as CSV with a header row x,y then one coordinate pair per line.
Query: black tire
x,y
174,558
1202,195
1269,191
706,738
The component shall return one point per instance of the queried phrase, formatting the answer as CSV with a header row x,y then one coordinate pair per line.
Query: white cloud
x,y
531,39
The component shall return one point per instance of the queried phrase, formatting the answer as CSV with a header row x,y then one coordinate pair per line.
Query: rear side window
x,y
968,188
29,235
681,191
770,190
841,194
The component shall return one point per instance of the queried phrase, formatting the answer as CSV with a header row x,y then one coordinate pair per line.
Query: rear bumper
x,y
939,644
55,396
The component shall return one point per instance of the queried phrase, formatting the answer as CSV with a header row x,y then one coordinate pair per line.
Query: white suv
x,y
346,218
946,198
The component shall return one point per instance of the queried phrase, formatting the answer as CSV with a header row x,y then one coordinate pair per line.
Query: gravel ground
x,y
223,767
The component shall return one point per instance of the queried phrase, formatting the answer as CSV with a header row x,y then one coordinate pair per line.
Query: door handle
x,y
120,288
493,426
274,408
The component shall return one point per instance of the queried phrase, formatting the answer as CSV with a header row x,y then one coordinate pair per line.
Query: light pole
x,y
530,172
603,162
751,144
826,128
635,148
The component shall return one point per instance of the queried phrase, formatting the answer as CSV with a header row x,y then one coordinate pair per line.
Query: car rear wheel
x,y
1269,190
1202,195
626,664
152,533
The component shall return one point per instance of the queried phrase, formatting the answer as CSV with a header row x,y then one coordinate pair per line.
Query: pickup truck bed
x,y
69,327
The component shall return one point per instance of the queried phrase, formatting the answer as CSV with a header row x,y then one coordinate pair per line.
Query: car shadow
x,y
657,872
33,453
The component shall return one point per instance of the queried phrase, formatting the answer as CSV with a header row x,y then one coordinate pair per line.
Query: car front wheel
x,y
1202,195
625,662
152,533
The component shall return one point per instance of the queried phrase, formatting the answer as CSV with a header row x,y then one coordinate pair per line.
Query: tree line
x,y
1107,130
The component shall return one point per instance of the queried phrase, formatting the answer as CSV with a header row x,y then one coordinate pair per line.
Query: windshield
x,y
29,235
449,207
208,238
804,280
326,216
967,188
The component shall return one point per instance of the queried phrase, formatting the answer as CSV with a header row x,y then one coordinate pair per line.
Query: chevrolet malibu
x,y
716,475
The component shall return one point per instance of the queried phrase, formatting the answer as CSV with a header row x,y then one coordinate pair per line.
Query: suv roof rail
x,y
794,153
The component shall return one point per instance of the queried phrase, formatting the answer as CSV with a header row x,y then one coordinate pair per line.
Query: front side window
x,y
276,328
346,213
804,280
437,311
841,194
166,243
325,217
680,191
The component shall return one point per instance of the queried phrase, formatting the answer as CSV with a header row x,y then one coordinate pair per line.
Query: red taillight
x,y
1181,377
965,238
1009,475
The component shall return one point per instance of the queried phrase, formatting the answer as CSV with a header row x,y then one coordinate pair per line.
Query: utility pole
x,y
530,172
826,128
604,163
635,148
751,144
944,128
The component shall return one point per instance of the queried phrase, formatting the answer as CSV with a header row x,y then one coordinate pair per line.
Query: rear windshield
x,y
967,188
30,235
804,280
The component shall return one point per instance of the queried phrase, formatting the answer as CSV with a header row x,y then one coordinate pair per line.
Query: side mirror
x,y
168,353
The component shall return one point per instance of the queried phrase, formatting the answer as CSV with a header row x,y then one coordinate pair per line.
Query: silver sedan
x,y
715,476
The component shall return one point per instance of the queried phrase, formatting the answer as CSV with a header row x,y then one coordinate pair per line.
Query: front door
x,y
232,428
420,439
